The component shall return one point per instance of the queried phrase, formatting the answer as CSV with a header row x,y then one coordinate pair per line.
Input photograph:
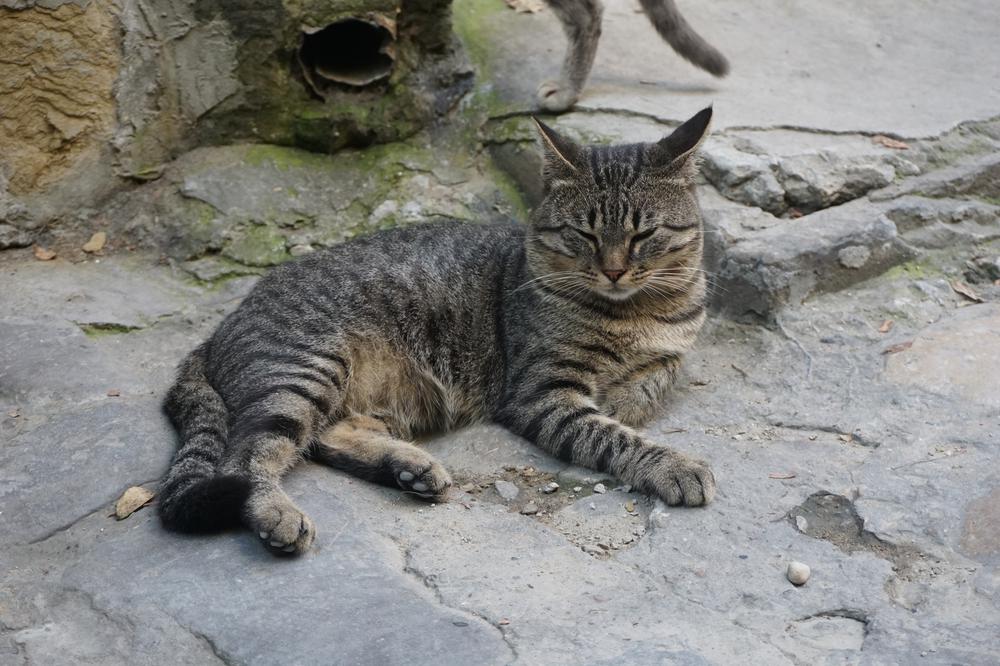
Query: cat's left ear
x,y
676,151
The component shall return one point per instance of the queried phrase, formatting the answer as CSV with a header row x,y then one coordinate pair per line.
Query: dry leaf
x,y
902,346
889,142
131,501
14,413
781,475
44,255
886,326
965,290
114,393
525,6
96,242
845,437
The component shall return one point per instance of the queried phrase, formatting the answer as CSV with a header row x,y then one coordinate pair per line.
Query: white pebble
x,y
797,573
550,487
801,523
599,488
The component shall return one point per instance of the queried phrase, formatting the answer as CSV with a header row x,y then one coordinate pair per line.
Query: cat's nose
x,y
613,275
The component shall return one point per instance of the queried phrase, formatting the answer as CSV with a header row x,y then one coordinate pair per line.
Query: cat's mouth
x,y
617,291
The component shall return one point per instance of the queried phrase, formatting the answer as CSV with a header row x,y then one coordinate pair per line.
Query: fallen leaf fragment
x,y
131,501
114,393
889,142
845,437
14,413
960,287
886,326
43,254
781,475
896,348
525,6
96,242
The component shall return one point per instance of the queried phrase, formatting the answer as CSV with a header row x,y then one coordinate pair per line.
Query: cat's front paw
x,y
280,524
680,480
556,97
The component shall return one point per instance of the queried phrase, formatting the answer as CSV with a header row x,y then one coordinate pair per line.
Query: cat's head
x,y
617,221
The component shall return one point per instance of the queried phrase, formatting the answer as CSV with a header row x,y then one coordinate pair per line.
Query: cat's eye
x,y
639,237
591,238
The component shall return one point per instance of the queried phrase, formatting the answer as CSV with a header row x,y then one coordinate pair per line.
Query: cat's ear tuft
x,y
676,150
562,158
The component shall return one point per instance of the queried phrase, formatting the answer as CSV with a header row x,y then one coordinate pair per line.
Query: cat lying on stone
x,y
568,331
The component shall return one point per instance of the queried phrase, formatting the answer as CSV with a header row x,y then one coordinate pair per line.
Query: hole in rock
x,y
353,52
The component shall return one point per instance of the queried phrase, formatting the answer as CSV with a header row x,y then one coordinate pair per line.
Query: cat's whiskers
x,y
550,279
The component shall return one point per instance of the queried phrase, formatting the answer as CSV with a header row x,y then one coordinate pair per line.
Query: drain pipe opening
x,y
353,52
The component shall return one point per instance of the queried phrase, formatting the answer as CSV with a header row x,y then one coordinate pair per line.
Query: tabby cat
x,y
581,21
568,332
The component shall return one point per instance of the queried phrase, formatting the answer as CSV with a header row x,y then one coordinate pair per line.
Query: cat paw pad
x,y
281,526
427,479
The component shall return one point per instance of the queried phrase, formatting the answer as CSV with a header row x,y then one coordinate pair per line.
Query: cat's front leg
x,y
635,398
560,416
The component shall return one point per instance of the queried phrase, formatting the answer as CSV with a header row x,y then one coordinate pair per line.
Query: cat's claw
x,y
555,97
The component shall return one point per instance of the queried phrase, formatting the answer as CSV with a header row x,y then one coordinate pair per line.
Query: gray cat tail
x,y
667,20
194,497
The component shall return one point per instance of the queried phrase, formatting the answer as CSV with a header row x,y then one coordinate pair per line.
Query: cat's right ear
x,y
562,160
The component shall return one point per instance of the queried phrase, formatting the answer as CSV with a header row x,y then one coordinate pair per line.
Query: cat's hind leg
x,y
271,432
581,21
364,447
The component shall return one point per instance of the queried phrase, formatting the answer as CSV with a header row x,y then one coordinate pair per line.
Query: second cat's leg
x,y
581,21
363,446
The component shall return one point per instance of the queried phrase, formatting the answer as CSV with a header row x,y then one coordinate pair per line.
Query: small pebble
x,y
530,509
577,489
506,489
801,523
630,506
468,487
600,489
593,507
797,573
550,487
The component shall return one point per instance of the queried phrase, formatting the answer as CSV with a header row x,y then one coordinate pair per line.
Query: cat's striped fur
x,y
568,332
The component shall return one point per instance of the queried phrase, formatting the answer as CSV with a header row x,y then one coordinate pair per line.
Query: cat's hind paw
x,y
556,97
422,476
282,527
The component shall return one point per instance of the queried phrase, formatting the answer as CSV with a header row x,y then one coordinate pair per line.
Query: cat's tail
x,y
194,496
672,26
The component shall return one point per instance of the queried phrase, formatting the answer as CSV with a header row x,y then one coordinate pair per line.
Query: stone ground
x,y
846,390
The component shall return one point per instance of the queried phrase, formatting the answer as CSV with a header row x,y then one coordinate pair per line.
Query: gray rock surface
x,y
843,391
